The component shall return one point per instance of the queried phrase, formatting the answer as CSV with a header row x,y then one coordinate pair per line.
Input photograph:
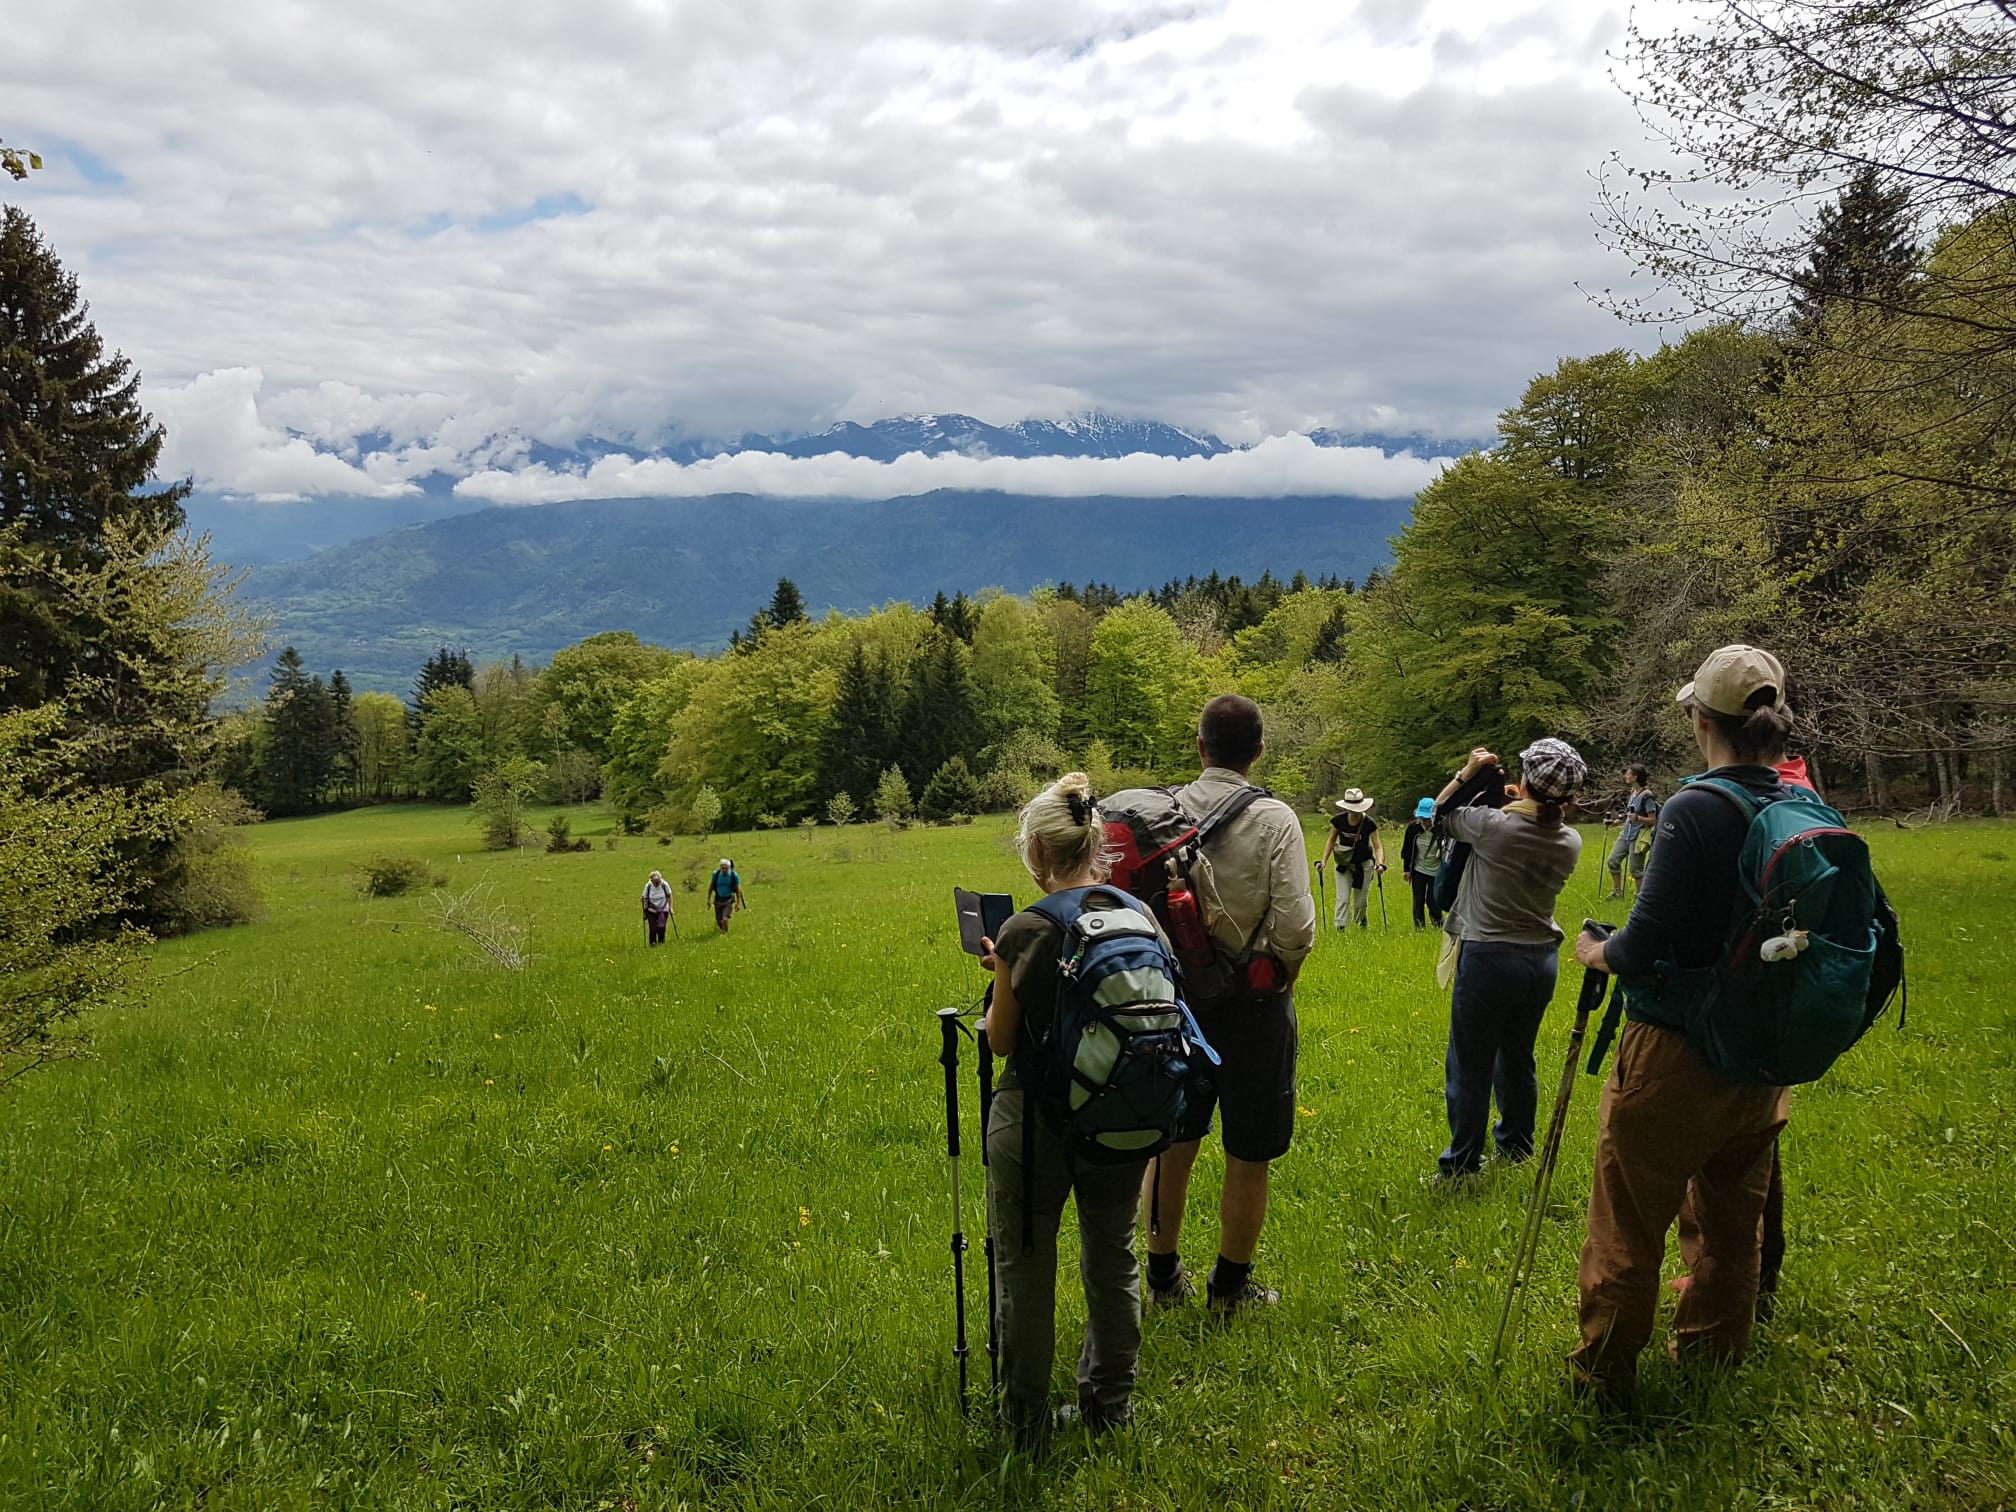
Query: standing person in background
x,y
1063,844
1640,809
1509,947
1266,919
726,887
1354,839
1672,1131
1420,860
657,909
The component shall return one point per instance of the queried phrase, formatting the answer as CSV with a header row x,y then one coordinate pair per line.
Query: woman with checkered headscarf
x,y
1521,856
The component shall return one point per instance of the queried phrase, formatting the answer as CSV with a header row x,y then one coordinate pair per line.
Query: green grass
x,y
344,1218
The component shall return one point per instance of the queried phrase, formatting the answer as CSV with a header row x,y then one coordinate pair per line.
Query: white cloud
x,y
1281,466
215,434
640,219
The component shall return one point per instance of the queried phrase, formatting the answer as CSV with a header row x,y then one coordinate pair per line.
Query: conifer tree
x,y
1863,252
857,741
444,669
301,745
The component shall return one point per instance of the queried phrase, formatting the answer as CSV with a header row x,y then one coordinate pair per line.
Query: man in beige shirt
x,y
1260,911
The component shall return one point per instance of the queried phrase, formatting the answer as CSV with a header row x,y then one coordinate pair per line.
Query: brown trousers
x,y
1672,1131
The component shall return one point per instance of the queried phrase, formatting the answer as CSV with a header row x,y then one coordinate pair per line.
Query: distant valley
x,y
686,572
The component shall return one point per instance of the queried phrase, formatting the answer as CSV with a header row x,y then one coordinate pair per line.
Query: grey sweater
x,y
1517,869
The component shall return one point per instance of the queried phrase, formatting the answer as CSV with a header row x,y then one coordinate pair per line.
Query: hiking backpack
x,y
1121,1048
1160,857
1812,957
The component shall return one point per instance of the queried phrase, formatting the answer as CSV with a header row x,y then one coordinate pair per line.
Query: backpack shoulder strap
x,y
1748,804
1228,808
1062,908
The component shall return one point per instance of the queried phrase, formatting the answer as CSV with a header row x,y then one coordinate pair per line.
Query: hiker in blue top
x,y
726,886
1420,859
1640,809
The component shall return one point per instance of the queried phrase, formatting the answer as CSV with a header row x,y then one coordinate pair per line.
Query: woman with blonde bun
x,y
1063,843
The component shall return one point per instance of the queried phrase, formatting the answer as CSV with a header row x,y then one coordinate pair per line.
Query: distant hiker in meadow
x,y
1263,921
1508,950
1034,1160
1354,838
725,886
1634,840
657,909
1420,861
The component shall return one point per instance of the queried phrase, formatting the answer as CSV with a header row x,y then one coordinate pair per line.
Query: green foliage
x,y
448,753
1014,672
1143,687
1492,628
578,694
58,894
501,797
205,879
892,798
560,837
840,809
571,777
633,780
704,812
389,875
384,749
953,789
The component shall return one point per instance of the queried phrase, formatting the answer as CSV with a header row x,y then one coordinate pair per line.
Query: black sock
x,y
1228,1276
1162,1269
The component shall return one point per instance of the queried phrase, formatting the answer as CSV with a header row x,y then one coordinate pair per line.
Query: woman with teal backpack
x,y
1032,1165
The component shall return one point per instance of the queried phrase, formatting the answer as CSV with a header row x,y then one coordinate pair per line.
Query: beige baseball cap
x,y
1731,676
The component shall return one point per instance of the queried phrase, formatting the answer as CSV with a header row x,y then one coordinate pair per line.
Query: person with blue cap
x,y
1420,859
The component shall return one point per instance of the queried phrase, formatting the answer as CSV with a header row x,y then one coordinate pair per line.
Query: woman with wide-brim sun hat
x,y
1354,835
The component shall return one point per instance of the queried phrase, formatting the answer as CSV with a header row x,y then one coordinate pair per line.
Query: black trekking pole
x,y
986,1058
948,1057
1594,985
1322,897
1379,877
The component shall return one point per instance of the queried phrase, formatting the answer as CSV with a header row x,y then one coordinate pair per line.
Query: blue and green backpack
x,y
1811,960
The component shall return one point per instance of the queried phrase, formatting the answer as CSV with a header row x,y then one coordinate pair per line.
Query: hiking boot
x,y
1093,1418
1250,1294
1179,1291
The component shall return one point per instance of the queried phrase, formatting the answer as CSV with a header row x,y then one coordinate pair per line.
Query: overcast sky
x,y
466,225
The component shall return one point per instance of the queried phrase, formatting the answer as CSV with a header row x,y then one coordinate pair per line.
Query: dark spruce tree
x,y
1863,252
444,669
77,454
939,717
857,743
302,746
952,790
342,732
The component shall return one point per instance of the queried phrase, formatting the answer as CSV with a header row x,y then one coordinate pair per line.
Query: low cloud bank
x,y
1279,467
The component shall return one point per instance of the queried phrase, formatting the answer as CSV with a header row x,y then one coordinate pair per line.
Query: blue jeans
x,y
1500,994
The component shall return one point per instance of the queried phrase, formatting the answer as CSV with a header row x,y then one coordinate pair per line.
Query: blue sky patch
x,y
546,207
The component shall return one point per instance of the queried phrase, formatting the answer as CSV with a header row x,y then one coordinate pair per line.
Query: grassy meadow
x,y
343,1216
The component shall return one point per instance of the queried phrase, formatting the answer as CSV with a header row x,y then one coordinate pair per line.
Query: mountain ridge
x,y
529,579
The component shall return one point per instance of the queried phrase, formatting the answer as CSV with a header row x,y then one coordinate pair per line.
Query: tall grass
x,y
347,1217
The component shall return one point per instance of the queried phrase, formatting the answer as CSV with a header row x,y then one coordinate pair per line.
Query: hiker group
x,y
1153,989
724,889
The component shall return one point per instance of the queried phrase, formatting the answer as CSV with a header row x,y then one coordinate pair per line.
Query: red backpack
x,y
1160,856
